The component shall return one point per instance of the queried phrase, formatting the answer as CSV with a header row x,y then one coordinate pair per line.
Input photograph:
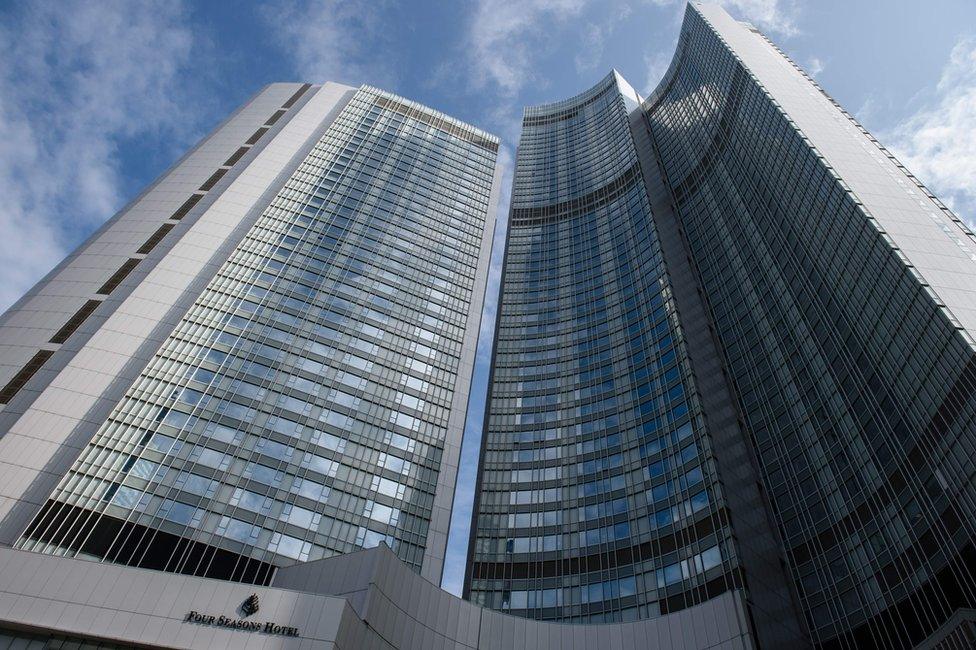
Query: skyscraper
x,y
735,353
592,399
265,358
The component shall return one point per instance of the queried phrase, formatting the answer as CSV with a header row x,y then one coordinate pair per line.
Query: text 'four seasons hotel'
x,y
732,397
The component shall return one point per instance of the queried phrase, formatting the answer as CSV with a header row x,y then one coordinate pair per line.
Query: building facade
x,y
265,359
595,451
735,352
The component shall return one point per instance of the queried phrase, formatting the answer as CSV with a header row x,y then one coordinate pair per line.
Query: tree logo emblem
x,y
250,605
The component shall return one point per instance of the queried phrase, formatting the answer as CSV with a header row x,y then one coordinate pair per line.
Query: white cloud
x,y
593,39
869,108
77,81
591,48
505,36
815,67
938,142
335,40
776,16
504,44
656,64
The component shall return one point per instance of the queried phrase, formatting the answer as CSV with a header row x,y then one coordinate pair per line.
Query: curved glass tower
x,y
598,498
735,352
840,294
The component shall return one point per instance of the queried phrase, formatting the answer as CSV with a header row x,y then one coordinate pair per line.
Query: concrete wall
x,y
368,600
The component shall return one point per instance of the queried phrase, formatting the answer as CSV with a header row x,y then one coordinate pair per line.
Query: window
x,y
238,530
177,512
127,497
711,558
668,575
199,485
519,600
299,516
210,458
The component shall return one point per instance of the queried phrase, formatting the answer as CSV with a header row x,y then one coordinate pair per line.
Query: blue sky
x,y
98,98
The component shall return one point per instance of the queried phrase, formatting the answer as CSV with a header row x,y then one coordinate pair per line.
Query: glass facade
x,y
854,383
598,499
828,469
301,407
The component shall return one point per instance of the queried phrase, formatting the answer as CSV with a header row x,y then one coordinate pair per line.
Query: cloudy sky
x,y
97,98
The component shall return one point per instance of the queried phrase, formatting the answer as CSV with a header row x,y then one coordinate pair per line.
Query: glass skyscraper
x,y
595,450
307,396
735,352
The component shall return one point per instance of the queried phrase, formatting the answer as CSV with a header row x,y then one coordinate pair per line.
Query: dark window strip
x,y
118,276
187,206
129,543
590,201
216,176
542,120
914,463
237,155
603,560
22,377
566,113
294,98
80,316
951,407
257,135
277,116
155,238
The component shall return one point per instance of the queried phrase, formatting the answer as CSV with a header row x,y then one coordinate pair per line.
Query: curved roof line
x,y
591,92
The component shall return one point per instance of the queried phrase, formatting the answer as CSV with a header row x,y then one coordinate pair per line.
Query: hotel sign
x,y
247,608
